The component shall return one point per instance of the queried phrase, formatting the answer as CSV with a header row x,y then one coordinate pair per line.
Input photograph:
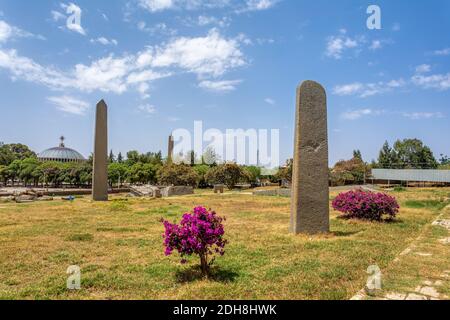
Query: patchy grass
x,y
118,246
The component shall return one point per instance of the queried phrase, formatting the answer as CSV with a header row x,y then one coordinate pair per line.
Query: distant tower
x,y
170,149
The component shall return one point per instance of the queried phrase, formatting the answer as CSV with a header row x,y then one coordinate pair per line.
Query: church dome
x,y
61,154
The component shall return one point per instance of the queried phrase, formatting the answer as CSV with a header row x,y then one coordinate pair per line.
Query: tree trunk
x,y
204,265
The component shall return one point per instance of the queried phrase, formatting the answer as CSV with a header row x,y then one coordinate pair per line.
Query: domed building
x,y
61,154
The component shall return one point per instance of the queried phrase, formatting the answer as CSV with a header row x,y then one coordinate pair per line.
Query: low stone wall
x,y
273,193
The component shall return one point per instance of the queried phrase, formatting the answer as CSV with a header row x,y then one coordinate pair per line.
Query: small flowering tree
x,y
366,205
199,232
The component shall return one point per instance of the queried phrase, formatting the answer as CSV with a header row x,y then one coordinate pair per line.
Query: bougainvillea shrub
x,y
366,205
201,233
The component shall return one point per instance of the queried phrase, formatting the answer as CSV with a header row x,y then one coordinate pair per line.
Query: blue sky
x,y
162,64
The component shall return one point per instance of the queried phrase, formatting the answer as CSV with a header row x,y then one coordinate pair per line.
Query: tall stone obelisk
x,y
310,187
100,171
170,149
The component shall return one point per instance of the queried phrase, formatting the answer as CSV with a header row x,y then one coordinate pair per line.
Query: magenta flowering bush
x,y
201,233
366,205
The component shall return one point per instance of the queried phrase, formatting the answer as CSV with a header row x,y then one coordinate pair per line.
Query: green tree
x,y
386,157
229,174
357,155
112,157
120,157
412,153
202,171
178,175
253,173
27,170
116,172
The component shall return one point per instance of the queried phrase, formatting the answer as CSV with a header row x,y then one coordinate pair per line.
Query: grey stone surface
x,y
219,189
310,191
176,191
100,170
170,149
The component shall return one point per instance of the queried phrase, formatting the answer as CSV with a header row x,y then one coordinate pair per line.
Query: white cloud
x,y
147,108
257,5
156,5
337,45
367,89
269,101
159,28
69,104
434,81
5,31
423,68
219,86
443,52
207,57
357,114
423,115
56,16
210,20
376,44
212,55
8,32
104,41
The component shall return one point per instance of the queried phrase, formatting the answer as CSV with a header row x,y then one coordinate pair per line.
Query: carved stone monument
x,y
310,188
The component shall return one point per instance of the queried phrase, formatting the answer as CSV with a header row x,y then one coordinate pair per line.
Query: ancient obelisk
x,y
170,150
100,171
310,188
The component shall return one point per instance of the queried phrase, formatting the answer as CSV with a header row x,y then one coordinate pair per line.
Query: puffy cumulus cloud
x,y
207,57
337,45
212,55
69,104
219,86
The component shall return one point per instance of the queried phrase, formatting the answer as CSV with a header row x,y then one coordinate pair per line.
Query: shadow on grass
x,y
344,233
216,274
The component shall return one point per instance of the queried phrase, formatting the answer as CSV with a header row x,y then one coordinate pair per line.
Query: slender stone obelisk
x,y
100,173
310,188
170,149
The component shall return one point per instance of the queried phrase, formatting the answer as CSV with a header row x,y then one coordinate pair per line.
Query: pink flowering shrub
x,y
201,233
366,205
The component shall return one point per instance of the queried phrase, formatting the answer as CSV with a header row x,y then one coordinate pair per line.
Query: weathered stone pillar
x,y
310,189
100,170
170,149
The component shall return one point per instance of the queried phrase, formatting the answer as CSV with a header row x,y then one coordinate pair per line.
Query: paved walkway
x,y
423,247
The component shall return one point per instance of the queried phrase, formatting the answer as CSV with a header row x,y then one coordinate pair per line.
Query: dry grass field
x,y
118,246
